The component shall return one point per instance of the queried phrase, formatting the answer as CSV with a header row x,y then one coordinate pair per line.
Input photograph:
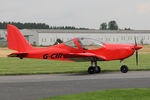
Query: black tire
x,y
124,69
97,69
91,70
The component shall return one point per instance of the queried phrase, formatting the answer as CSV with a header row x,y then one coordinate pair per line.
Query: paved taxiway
x,y
32,87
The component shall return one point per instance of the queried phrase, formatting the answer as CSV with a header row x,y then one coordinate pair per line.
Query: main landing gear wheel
x,y
97,69
94,69
91,70
124,69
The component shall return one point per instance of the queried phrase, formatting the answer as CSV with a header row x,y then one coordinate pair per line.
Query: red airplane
x,y
77,49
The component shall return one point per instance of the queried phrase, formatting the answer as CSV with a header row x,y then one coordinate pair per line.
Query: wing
x,y
83,57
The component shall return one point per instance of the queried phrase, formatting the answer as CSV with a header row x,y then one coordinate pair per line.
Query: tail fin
x,y
16,40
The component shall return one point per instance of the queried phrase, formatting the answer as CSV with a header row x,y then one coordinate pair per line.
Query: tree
x,y
142,41
127,28
58,41
103,26
112,25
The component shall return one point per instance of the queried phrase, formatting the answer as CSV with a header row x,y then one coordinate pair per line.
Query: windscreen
x,y
89,44
71,44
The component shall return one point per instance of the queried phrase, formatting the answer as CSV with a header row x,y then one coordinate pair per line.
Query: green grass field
x,y
117,94
13,66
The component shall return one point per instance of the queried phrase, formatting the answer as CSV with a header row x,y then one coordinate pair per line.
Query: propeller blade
x,y
136,51
136,57
135,41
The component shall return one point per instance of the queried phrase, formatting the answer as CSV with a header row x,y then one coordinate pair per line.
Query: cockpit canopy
x,y
71,43
85,43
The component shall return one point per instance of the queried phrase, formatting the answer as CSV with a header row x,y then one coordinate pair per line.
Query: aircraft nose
x,y
138,47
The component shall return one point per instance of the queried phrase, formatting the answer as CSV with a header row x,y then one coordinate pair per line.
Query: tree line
x,y
3,25
111,25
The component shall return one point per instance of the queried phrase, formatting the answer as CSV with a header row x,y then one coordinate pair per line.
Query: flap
x,y
84,55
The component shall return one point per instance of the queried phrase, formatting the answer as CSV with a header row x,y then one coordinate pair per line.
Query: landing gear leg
x,y
96,69
91,68
123,68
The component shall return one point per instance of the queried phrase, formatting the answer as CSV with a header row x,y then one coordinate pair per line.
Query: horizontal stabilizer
x,y
18,54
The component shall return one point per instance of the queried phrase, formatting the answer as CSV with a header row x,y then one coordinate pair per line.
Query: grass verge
x,y
116,94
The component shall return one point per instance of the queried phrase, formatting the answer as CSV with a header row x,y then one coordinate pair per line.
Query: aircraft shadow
x,y
86,73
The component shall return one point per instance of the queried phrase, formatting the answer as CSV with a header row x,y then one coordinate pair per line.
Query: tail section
x,y
16,40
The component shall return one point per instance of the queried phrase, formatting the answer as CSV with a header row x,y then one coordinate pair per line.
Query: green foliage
x,y
142,41
112,25
127,28
115,94
58,41
103,26
3,25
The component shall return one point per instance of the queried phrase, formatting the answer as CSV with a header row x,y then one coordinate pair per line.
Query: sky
x,y
79,13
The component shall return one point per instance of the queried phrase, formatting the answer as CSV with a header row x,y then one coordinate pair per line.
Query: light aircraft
x,y
77,49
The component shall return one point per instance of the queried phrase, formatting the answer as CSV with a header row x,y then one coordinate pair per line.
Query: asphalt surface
x,y
33,87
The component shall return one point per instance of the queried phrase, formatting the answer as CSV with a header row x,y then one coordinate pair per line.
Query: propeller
x,y
136,47
136,51
136,57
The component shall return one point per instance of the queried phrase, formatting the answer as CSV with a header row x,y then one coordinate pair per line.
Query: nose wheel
x,y
94,69
123,68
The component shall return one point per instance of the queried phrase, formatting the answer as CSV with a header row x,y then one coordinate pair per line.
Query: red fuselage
x,y
107,52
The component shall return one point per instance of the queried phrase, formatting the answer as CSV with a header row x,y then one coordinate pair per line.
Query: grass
x,y
15,66
117,94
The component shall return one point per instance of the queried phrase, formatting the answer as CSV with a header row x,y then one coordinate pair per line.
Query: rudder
x,y
16,40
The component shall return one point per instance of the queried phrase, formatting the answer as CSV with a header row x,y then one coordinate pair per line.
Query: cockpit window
x,y
71,43
89,44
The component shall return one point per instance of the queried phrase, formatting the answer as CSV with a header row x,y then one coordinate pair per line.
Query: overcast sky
x,y
80,13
